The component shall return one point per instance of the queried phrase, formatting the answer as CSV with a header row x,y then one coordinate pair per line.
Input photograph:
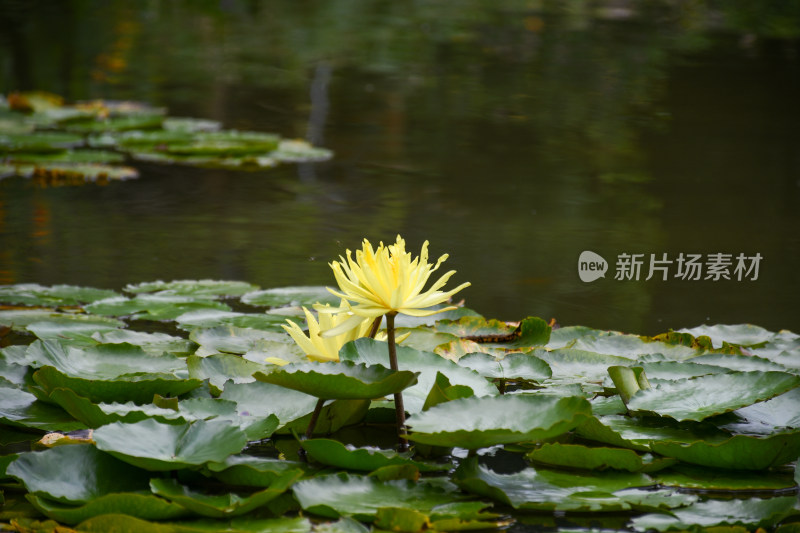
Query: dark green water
x,y
513,135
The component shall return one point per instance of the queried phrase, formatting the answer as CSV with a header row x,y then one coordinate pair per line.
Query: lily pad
x,y
231,339
753,513
264,399
18,319
361,497
152,307
251,471
218,369
479,422
476,327
334,453
155,446
211,318
40,142
22,409
739,452
344,380
57,295
713,479
552,490
428,364
705,396
130,524
740,334
513,366
201,288
144,506
76,474
221,505
578,364
764,418
283,296
597,458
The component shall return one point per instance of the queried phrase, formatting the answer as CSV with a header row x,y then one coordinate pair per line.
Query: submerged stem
x,y
400,412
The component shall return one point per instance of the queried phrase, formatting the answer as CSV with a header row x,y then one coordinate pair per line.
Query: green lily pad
x,y
230,339
144,506
201,288
221,505
251,471
475,326
264,399
154,344
739,452
674,370
552,490
134,387
218,369
713,479
57,295
191,125
155,446
334,453
67,156
774,415
712,394
479,422
76,474
428,364
18,319
283,296
597,458
212,318
152,306
513,366
408,321
344,380
633,347
299,151
752,513
338,495
117,123
739,362
334,416
578,364
129,524
40,142
739,334
638,432
22,409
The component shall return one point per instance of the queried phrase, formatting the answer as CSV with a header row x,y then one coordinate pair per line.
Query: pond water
x,y
512,135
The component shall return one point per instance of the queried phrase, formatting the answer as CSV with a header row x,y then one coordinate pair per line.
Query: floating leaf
x,y
117,123
57,295
541,489
76,473
739,362
763,418
713,479
190,125
571,364
283,296
334,453
750,513
344,380
480,422
218,369
230,339
264,399
360,496
637,432
740,451
211,318
251,471
22,409
711,395
513,366
740,334
128,524
220,505
374,352
155,446
152,307
18,319
596,458
144,506
200,288
633,346
476,327
299,151
39,142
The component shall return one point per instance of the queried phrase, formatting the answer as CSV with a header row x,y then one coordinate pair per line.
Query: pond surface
x,y
510,135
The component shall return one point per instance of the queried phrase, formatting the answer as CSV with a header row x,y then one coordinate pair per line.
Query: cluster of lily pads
x,y
171,408
55,143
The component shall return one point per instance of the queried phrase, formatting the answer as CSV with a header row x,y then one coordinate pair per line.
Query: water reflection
x,y
511,136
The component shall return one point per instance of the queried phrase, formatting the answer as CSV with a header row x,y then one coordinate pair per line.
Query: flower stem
x,y
376,325
314,417
400,412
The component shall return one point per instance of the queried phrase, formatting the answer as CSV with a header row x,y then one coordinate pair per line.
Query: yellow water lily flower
x,y
387,280
319,348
